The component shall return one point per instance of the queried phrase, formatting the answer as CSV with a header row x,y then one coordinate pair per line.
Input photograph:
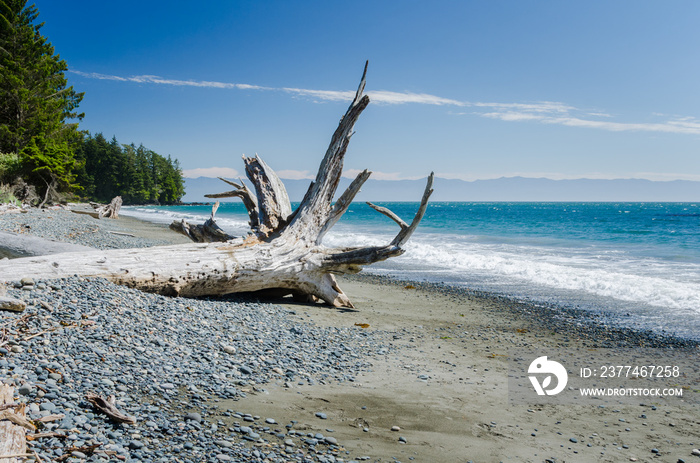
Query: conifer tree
x,y
36,103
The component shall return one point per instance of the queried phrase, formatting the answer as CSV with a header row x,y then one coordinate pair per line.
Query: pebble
x,y
135,444
25,389
696,452
229,349
395,428
142,344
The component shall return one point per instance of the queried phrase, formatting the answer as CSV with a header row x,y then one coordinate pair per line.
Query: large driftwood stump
x,y
283,252
111,210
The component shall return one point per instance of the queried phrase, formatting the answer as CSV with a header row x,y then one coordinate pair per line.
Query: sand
x,y
461,412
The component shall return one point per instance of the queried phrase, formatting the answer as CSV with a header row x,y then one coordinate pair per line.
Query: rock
x,y
135,445
25,389
321,415
12,305
395,428
194,417
229,349
331,440
223,443
26,281
402,440
270,421
696,452
17,349
574,440
245,370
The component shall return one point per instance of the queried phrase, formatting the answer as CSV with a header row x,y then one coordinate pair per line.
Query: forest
x,y
43,152
140,176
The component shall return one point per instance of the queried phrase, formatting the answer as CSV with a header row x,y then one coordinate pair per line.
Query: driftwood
x,y
283,252
108,408
208,232
13,443
111,210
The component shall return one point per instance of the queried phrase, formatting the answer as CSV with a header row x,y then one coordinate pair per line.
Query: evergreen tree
x,y
137,174
36,102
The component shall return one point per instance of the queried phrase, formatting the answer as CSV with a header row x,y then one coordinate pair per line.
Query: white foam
x,y
610,273
233,224
596,272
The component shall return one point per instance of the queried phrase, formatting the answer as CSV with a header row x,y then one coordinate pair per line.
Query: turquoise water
x,y
640,261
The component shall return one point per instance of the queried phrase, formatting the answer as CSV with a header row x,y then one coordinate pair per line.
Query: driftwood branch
x,y
249,200
108,408
283,254
274,207
388,213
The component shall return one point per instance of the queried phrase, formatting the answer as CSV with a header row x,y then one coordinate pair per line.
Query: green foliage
x,y
6,196
137,174
36,103
9,167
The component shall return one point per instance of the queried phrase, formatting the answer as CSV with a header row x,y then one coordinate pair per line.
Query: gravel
x,y
164,361
66,226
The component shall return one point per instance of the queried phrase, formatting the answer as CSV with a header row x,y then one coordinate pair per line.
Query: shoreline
x,y
433,361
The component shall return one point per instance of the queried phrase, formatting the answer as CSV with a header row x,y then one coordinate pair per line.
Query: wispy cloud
x,y
290,174
655,176
226,172
545,112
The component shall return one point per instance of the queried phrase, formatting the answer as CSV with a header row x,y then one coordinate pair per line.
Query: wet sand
x,y
444,382
461,412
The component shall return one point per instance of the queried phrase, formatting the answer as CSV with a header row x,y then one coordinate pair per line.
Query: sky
x,y
468,89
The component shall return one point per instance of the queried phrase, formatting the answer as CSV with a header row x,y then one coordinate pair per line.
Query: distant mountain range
x,y
500,189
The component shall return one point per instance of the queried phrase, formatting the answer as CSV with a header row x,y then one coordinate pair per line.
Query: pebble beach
x,y
416,372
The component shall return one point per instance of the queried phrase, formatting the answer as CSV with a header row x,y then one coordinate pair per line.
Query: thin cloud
x,y
546,112
211,172
290,174
376,175
654,176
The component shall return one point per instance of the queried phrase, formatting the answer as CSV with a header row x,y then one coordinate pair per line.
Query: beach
x,y
238,379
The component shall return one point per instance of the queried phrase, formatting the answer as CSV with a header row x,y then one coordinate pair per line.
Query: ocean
x,y
638,263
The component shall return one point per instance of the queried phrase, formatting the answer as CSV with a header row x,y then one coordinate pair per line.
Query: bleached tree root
x,y
283,252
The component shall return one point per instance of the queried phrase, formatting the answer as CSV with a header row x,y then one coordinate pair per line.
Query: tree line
x,y
40,141
137,174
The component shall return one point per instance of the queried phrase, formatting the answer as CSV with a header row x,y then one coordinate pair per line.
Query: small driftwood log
x,y
13,443
108,408
208,232
284,252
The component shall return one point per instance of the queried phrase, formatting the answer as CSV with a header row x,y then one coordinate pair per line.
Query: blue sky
x,y
469,89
